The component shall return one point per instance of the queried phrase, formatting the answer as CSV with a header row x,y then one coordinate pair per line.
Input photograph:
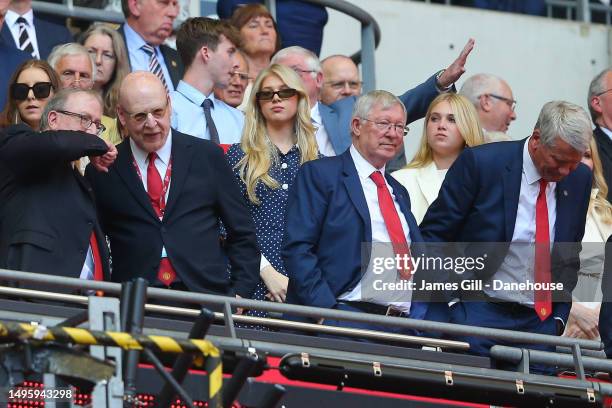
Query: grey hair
x,y
365,103
478,85
596,87
310,58
565,120
60,100
60,51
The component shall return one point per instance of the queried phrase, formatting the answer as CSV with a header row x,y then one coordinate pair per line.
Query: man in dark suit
x,y
161,202
10,56
600,107
529,191
341,202
605,313
333,122
47,215
28,33
147,25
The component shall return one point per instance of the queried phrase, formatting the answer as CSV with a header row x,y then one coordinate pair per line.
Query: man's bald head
x,y
340,79
144,110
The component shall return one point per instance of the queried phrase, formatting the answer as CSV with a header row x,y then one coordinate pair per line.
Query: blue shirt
x,y
188,115
139,59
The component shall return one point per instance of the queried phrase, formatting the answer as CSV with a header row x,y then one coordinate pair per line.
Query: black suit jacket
x,y
171,57
47,209
48,35
605,314
604,147
202,191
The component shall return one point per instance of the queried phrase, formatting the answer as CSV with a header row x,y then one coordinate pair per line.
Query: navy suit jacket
x,y
604,148
327,220
48,35
171,58
11,58
478,202
337,117
605,314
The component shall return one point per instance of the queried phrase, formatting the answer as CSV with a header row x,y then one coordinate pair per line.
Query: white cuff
x,y
263,263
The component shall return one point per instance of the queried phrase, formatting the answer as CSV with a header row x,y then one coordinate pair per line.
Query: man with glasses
x,y
339,203
49,221
340,79
74,65
600,107
208,50
494,103
162,202
333,121
233,94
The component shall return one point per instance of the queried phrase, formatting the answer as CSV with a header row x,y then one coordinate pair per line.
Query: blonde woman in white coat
x,y
584,315
451,124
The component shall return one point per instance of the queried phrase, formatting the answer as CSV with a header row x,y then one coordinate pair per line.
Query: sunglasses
x,y
269,95
41,90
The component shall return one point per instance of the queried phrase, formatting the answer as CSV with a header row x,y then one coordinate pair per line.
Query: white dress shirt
x,y
10,19
188,115
380,235
607,131
139,59
518,265
323,141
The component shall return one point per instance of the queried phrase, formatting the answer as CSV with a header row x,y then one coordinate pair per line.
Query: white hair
x,y
565,120
310,59
60,51
477,85
597,87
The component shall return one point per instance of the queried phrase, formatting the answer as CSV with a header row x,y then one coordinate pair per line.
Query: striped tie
x,y
154,65
25,43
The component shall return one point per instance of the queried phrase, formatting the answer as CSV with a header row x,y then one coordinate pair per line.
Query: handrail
x,y
306,311
370,30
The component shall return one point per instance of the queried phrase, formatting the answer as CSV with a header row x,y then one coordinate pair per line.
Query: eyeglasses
x,y
71,77
242,76
384,126
606,91
86,122
510,102
107,56
141,117
303,71
338,85
282,93
21,91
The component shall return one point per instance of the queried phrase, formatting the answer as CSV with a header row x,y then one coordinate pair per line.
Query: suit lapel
x,y
122,33
512,189
182,154
44,43
127,173
404,203
428,182
172,64
330,120
7,37
350,178
564,209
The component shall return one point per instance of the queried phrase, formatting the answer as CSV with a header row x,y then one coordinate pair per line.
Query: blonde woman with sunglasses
x,y
278,137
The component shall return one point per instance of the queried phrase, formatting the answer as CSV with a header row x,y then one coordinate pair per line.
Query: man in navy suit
x,y
147,25
333,122
10,56
605,314
340,203
529,191
33,35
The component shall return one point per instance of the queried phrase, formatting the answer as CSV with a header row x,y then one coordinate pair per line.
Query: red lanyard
x,y
165,185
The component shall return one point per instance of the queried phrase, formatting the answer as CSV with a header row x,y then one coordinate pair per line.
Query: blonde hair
x,y
259,151
467,122
599,203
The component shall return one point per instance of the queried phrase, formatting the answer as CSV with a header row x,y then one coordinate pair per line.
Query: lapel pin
x,y
565,193
173,63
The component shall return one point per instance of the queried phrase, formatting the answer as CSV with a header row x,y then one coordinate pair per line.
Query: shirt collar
x,y
606,131
11,17
163,154
194,95
364,167
315,114
133,40
531,172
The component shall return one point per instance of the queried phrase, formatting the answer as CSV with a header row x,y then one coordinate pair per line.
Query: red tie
x,y
165,273
393,224
543,304
95,250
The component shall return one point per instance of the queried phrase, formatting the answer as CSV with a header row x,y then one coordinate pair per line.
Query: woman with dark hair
x,y
107,48
278,137
30,88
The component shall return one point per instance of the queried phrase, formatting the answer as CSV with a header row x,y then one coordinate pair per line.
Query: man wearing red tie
x,y
529,194
47,214
161,203
344,206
